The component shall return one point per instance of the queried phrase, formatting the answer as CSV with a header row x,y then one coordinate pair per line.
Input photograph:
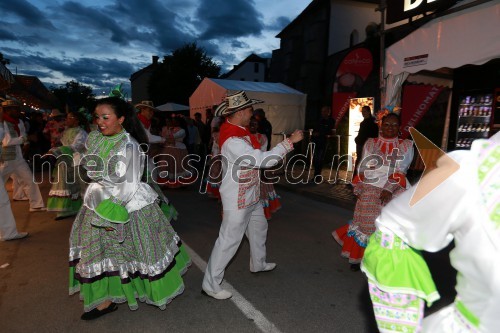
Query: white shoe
x,y
268,267
20,235
39,209
223,294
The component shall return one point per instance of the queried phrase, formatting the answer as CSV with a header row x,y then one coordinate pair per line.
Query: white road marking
x,y
245,306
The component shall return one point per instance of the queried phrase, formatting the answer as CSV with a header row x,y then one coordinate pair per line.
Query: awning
x,y
468,36
172,107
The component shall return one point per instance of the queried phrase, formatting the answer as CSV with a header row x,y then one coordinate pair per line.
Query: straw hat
x,y
10,103
235,102
56,113
146,104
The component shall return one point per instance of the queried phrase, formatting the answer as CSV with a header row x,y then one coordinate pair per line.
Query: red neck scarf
x,y
146,122
228,130
13,121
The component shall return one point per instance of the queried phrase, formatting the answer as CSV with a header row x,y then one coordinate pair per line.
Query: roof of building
x,y
251,58
255,86
150,68
31,91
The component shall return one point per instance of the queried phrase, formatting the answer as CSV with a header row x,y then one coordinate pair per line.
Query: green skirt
x,y
143,259
395,267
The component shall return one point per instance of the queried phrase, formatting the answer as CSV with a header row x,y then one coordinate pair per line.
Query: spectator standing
x,y
39,144
202,129
55,127
367,129
320,134
193,137
173,169
265,126
146,114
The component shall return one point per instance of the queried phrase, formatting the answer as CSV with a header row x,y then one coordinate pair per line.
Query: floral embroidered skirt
x,y
353,237
270,199
65,192
214,177
399,283
143,259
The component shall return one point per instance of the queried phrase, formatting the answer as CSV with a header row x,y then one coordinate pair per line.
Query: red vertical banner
x,y
350,77
340,105
417,99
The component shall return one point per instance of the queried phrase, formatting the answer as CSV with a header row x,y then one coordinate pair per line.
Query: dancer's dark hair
x,y
131,124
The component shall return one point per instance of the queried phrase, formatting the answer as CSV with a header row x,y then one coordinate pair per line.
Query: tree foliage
x,y
3,60
180,73
74,95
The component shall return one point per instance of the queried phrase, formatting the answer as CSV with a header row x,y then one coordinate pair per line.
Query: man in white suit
x,y
240,187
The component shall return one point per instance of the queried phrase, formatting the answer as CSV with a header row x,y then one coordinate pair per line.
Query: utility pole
x,y
382,7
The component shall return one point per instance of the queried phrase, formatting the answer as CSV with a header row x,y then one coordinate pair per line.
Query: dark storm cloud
x,y
279,23
29,14
130,30
6,34
29,40
238,44
154,23
229,19
96,20
86,69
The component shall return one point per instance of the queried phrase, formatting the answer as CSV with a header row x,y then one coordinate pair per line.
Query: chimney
x,y
155,60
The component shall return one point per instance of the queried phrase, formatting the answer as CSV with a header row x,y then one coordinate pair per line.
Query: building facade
x,y
139,82
252,68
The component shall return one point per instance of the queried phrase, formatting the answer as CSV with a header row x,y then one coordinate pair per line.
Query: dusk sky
x,y
100,43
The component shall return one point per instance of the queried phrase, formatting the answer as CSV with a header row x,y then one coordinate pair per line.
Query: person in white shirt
x,y
12,157
242,211
8,229
145,115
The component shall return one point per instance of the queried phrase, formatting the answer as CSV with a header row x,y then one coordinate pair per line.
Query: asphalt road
x,y
311,290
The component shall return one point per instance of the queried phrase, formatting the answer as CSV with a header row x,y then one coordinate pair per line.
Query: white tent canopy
x,y
172,107
285,107
468,36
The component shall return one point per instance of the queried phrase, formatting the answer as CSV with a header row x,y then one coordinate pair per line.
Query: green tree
x,y
74,95
3,60
180,73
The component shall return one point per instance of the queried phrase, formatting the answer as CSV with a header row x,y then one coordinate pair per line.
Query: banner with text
x,y
417,99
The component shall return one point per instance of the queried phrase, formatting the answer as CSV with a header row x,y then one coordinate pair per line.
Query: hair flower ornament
x,y
385,111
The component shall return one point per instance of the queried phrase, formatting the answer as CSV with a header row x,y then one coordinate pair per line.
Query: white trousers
x,y
7,222
17,189
25,178
235,223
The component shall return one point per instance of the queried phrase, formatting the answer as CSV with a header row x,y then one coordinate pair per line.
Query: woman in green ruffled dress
x,y
122,246
65,194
